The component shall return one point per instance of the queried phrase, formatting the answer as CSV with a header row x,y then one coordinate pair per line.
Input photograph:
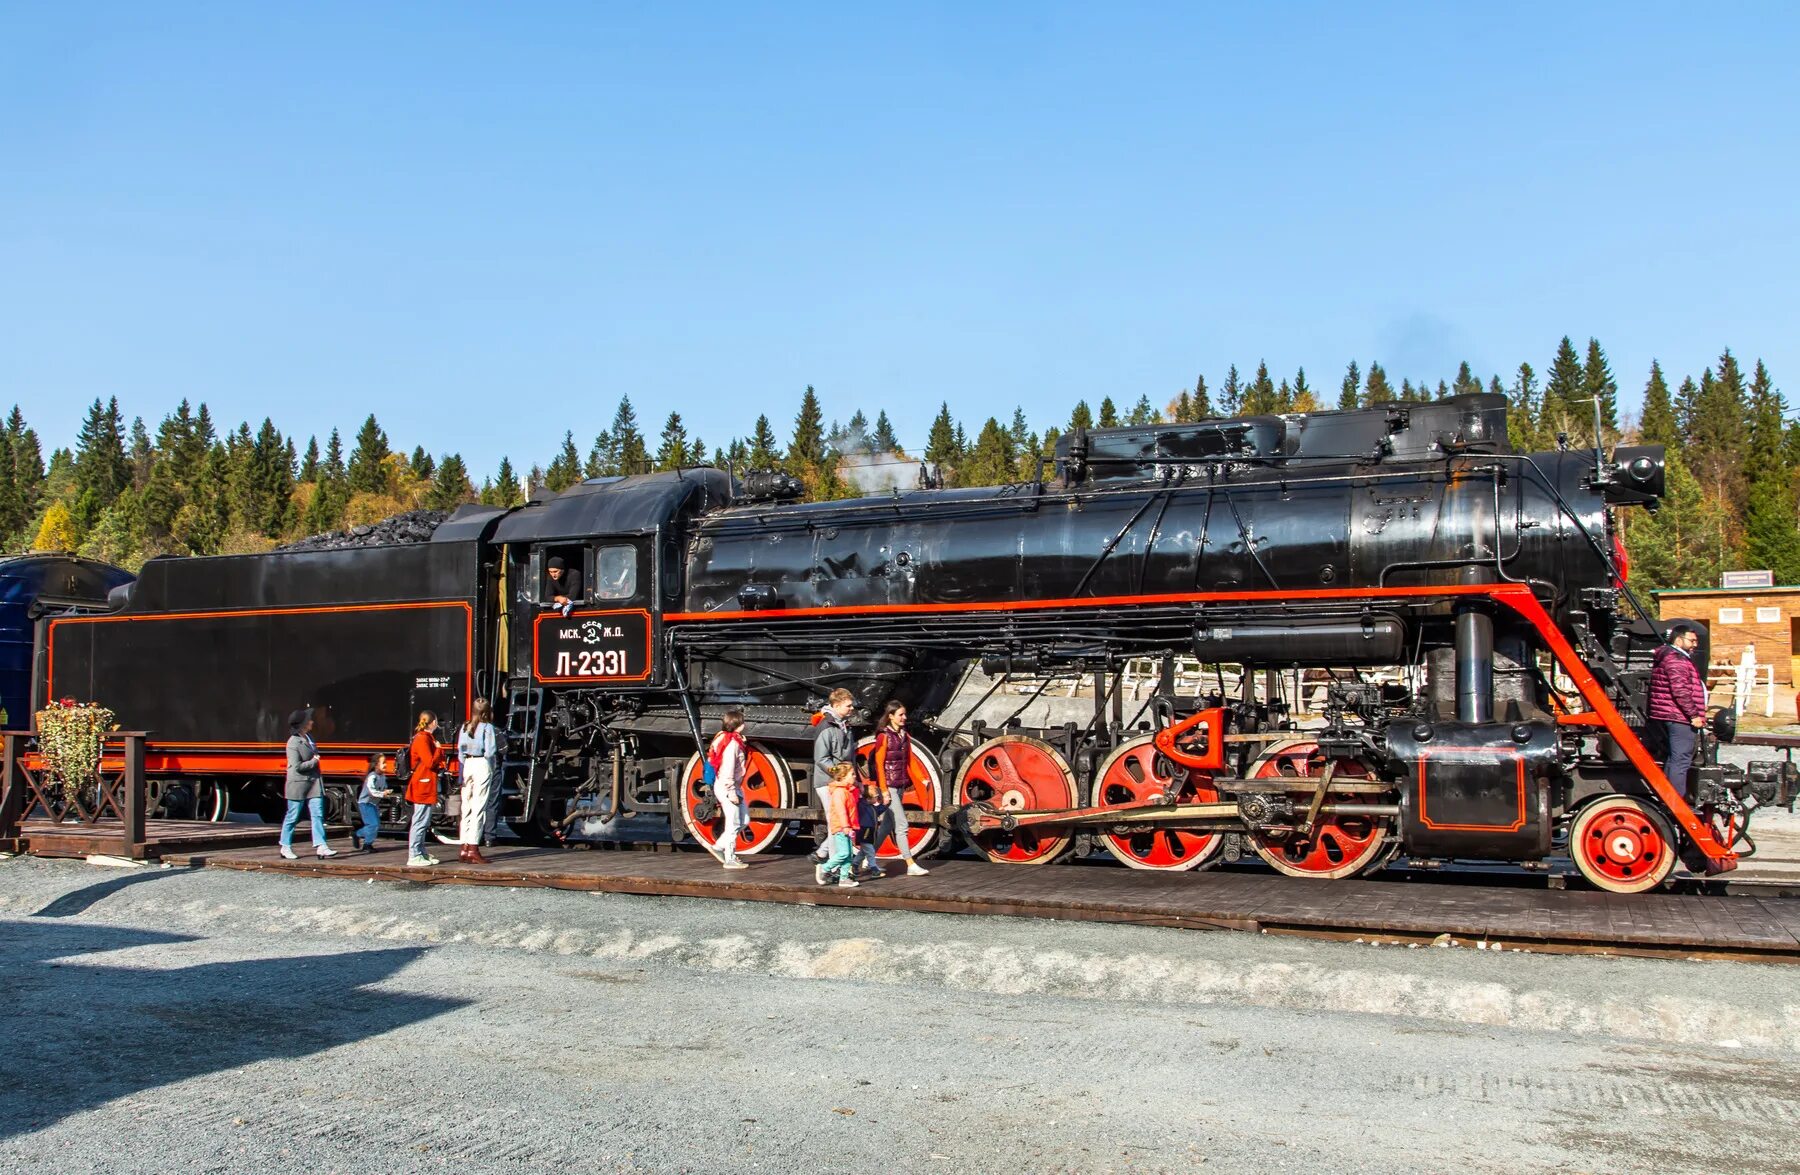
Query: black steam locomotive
x,y
1407,538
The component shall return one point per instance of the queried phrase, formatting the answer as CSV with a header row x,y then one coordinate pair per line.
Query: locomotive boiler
x,y
1458,606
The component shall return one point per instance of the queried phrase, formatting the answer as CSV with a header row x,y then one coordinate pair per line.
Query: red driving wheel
x,y
1337,846
1015,773
767,784
1136,772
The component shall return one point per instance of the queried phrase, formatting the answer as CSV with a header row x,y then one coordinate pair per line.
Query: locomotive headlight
x,y
1637,475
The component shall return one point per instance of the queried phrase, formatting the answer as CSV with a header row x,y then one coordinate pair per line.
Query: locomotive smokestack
x,y
1474,654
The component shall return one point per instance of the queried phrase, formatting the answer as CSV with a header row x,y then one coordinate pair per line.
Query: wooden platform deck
x,y
161,837
1761,928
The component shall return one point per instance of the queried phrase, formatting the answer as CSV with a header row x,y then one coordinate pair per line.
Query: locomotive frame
x,y
1405,534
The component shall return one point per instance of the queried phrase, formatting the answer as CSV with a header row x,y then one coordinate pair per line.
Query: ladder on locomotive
x,y
524,726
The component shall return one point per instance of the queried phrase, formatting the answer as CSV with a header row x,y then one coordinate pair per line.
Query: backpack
x,y
403,761
709,763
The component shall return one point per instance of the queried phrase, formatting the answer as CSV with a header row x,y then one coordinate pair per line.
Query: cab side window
x,y
615,573
561,574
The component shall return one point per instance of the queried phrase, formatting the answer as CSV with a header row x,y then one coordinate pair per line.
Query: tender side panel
x,y
231,678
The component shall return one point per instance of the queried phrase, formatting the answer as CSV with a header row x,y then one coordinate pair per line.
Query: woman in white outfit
x,y
478,752
726,754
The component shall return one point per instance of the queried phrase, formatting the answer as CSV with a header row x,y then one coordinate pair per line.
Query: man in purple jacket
x,y
1678,701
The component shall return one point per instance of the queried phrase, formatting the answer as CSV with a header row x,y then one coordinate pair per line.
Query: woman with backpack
x,y
477,752
726,759
424,756
890,783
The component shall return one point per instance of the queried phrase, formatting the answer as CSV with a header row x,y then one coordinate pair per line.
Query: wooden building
x,y
1768,617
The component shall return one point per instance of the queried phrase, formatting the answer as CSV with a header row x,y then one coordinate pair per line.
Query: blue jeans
x,y
1682,737
421,826
316,806
371,825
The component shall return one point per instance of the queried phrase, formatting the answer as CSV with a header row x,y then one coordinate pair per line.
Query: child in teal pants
x,y
839,823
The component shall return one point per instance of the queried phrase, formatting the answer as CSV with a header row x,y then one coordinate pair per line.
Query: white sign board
x,y
1746,579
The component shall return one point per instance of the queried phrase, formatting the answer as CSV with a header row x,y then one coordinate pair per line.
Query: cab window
x,y
570,560
615,573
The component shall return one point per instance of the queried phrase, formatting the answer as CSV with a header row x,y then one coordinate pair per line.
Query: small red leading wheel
x,y
1015,773
1337,846
767,784
1136,772
924,796
1622,845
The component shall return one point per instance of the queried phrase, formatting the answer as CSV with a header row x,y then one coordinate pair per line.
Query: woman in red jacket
x,y
425,756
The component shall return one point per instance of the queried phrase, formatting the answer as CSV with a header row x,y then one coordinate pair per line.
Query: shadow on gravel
x,y
78,901
79,1034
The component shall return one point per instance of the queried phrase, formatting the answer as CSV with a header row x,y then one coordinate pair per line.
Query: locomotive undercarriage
x,y
1190,780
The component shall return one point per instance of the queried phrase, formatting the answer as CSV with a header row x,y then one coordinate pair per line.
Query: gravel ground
x,y
168,1019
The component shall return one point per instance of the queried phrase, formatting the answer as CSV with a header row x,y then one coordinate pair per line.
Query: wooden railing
x,y
28,792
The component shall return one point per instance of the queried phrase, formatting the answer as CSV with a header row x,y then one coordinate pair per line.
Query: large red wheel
x,y
1623,845
924,796
767,784
1337,846
1015,773
1136,772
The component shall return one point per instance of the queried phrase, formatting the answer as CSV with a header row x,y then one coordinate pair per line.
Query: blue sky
x,y
486,224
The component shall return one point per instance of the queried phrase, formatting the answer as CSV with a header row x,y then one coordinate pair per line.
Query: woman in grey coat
x,y
305,786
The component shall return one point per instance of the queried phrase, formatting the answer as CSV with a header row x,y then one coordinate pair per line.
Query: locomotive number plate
x,y
592,646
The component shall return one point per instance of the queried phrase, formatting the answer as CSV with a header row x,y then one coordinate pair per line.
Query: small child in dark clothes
x,y
374,787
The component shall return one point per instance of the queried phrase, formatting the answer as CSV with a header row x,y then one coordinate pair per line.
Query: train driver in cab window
x,y
564,586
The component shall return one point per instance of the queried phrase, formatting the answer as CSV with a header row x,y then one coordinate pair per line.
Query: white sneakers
x,y
848,882
288,854
734,863
914,869
419,862
326,851
819,873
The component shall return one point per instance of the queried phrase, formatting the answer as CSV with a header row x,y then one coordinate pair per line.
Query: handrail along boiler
x,y
1405,535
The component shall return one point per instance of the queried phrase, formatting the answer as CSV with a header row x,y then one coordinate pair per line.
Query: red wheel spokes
x,y
1019,776
1137,774
1621,844
762,789
1335,842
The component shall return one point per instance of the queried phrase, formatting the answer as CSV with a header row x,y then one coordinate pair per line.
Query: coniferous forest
x,y
126,492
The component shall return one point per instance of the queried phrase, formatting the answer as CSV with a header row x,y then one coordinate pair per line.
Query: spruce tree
x,y
673,452
1182,410
1522,411
505,488
270,482
449,485
1717,435
565,470
806,452
12,513
28,462
1349,391
1679,545
1564,385
1302,399
1687,403
1231,394
309,464
1109,413
1598,384
1657,424
1376,389
1020,431
632,454
1141,413
368,461
764,445
1466,383
940,443
993,460
421,466
1203,405
143,453
1260,398
602,459
1080,419
1771,538
883,439
1284,397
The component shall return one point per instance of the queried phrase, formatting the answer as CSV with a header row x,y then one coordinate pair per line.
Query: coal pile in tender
x,y
415,526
